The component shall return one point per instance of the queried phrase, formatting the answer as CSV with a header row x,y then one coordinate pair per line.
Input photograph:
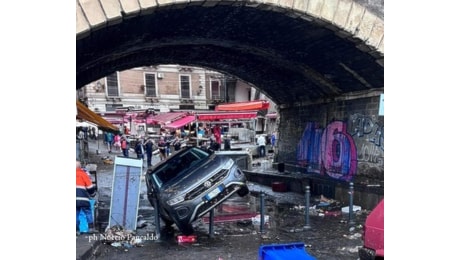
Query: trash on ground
x,y
326,200
346,209
186,239
334,213
117,236
257,218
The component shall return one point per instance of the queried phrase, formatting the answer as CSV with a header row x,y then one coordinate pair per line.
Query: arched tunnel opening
x,y
327,84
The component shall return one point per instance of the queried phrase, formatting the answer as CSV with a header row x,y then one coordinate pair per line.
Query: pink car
x,y
373,235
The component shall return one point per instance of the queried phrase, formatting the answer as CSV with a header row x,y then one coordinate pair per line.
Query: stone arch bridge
x,y
311,57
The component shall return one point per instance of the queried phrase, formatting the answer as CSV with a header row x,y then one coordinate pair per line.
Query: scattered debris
x,y
256,219
334,213
107,160
117,236
325,207
324,199
186,239
346,210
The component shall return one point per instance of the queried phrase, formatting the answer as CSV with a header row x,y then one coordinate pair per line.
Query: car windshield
x,y
178,164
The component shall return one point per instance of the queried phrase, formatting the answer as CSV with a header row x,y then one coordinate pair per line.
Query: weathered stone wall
x,y
342,139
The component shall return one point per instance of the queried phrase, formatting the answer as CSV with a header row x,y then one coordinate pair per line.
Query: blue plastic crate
x,y
284,252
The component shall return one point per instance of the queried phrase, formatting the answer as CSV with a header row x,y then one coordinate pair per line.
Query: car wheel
x,y
243,191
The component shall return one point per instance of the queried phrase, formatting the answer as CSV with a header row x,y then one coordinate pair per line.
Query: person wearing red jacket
x,y
85,190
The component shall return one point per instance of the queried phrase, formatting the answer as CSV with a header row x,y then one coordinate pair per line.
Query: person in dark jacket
x,y
176,143
149,148
85,190
139,149
162,148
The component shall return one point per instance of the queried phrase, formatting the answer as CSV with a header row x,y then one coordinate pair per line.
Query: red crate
x,y
186,239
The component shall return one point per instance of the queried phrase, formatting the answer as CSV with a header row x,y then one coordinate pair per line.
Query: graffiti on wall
x,y
333,150
369,138
330,151
365,128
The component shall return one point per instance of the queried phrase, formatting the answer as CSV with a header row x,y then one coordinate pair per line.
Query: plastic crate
x,y
284,251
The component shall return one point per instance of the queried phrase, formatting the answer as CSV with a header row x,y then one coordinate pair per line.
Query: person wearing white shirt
x,y
261,143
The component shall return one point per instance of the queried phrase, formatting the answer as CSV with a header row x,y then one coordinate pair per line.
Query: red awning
x,y
181,122
272,115
239,106
166,118
224,115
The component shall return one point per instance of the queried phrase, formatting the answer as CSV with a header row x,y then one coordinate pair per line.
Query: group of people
x,y
145,146
116,142
166,146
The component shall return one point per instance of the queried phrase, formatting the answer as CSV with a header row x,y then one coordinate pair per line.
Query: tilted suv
x,y
190,183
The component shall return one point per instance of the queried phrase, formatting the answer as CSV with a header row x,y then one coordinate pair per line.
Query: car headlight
x,y
228,164
175,200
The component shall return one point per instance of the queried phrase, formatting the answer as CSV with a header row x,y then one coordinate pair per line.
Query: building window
x,y
150,85
215,89
185,86
112,85
112,107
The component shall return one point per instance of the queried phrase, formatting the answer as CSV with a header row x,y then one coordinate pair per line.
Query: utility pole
x,y
225,89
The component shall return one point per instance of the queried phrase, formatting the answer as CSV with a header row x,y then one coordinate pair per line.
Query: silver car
x,y
190,183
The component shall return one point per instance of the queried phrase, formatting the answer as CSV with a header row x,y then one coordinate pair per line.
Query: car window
x,y
178,164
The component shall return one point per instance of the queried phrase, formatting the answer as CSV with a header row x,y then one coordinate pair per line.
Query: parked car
x,y
190,183
373,234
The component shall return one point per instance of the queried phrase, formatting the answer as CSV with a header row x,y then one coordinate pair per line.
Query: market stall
x,y
236,127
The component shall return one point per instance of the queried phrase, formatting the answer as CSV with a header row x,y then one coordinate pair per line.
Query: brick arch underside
x,y
289,59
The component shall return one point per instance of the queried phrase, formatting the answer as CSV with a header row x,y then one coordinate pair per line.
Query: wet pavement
x,y
237,232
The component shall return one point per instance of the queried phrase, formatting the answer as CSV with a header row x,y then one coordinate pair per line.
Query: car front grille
x,y
217,178
204,208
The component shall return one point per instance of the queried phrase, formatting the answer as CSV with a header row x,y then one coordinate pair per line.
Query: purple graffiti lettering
x,y
331,151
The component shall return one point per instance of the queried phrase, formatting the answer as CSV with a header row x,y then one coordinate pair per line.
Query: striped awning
x,y
181,122
167,118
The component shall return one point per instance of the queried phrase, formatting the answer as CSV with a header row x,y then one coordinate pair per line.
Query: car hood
x,y
196,175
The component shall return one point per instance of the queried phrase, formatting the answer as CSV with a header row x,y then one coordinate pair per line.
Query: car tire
x,y
243,191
